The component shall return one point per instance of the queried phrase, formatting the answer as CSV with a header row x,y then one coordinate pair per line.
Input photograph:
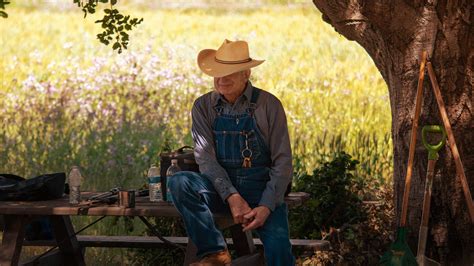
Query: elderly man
x,y
243,151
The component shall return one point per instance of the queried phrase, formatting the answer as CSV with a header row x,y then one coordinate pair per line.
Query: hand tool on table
x,y
104,195
399,252
451,141
109,197
432,158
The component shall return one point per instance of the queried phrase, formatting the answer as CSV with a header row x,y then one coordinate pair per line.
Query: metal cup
x,y
127,198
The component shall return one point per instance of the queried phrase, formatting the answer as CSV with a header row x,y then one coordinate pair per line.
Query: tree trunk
x,y
394,33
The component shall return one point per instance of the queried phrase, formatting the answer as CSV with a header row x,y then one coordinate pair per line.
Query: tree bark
x,y
394,33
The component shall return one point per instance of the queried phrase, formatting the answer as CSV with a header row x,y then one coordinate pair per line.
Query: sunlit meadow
x,y
66,99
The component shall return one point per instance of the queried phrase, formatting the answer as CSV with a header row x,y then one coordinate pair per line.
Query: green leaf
x,y
113,2
107,11
3,4
3,14
116,46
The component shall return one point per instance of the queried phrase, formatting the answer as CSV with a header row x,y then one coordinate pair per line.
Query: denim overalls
x,y
236,137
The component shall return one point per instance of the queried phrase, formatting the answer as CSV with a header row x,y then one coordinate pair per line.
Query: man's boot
x,y
221,258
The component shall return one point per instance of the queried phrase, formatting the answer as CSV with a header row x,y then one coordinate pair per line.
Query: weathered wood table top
x,y
143,207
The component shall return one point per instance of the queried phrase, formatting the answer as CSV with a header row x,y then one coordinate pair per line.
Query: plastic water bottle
x,y
173,169
154,184
74,180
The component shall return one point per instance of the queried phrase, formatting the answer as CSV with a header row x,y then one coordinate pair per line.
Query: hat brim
x,y
207,63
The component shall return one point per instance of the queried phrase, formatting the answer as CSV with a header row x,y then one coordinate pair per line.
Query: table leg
x,y
66,240
12,241
191,251
243,241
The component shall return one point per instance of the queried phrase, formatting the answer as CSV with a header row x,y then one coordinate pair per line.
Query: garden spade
x,y
432,158
399,252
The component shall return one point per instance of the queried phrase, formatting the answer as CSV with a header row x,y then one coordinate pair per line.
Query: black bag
x,y
43,187
186,162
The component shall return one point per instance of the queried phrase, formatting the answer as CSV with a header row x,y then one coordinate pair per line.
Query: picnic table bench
x,y
18,214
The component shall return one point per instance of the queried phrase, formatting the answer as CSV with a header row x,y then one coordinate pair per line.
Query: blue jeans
x,y
196,199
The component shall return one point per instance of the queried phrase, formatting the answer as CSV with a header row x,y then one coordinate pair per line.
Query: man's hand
x,y
238,207
257,216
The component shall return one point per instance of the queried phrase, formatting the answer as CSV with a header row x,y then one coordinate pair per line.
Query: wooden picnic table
x,y
17,215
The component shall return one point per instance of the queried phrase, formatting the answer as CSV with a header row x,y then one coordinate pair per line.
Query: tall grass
x,y
66,99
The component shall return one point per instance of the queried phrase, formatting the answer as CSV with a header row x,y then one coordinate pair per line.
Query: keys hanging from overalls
x,y
247,152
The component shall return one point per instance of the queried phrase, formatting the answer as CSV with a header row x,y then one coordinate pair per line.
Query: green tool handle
x,y
433,149
432,158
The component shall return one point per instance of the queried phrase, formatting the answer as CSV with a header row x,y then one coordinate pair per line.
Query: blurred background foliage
x,y
66,99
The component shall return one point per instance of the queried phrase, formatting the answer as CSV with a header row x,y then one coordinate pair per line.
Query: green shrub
x,y
334,201
166,226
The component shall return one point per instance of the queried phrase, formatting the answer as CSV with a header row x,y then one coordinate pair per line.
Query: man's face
x,y
232,86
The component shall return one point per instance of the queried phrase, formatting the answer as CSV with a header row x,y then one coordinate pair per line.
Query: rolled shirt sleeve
x,y
280,150
204,151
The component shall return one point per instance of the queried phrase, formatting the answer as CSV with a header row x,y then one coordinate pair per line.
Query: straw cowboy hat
x,y
231,57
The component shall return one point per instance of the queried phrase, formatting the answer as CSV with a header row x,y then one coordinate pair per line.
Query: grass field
x,y
66,99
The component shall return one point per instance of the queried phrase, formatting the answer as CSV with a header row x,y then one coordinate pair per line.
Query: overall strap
x,y
253,101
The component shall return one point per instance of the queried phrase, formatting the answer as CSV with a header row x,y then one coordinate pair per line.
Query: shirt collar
x,y
216,96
